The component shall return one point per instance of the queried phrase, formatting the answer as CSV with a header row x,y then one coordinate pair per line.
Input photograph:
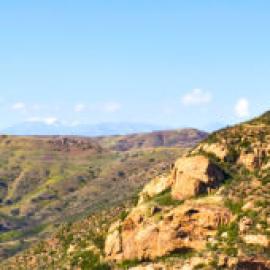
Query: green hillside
x,y
45,181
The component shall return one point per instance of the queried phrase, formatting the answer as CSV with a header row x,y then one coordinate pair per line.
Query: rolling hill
x,y
209,211
48,180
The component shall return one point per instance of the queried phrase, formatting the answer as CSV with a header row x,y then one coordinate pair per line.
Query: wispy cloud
x,y
242,108
79,107
111,107
45,120
196,97
18,106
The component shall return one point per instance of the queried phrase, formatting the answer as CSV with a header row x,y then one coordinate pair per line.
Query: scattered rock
x,y
149,267
248,206
260,240
244,224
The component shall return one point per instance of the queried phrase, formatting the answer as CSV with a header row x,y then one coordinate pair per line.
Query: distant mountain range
x,y
102,129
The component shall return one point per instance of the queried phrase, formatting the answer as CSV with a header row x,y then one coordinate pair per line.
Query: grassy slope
x,y
45,181
69,248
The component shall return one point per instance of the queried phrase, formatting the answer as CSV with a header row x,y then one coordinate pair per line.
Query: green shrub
x,y
87,260
165,199
235,207
123,215
128,264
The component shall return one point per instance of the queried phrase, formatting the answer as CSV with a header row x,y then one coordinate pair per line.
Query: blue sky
x,y
175,63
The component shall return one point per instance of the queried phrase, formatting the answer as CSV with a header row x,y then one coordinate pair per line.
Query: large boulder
x,y
195,175
143,237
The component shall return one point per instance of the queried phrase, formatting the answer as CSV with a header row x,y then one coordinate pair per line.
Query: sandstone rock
x,y
196,261
155,187
217,149
149,267
232,262
248,206
250,161
71,249
195,175
244,224
184,227
258,239
113,243
187,267
222,260
256,183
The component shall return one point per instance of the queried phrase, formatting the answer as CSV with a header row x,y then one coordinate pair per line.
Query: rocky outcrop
x,y
191,176
155,187
170,217
195,175
219,150
151,231
185,227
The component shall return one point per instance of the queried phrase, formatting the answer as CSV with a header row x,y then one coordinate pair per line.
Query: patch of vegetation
x,y
123,215
87,260
128,264
235,207
7,236
183,253
229,235
42,178
165,199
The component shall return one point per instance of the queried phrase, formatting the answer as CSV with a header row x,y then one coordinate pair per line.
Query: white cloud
x,y
45,120
50,120
111,107
79,107
18,106
196,97
242,108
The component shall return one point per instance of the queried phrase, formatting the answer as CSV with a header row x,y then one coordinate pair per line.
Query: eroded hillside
x,y
170,138
210,211
45,181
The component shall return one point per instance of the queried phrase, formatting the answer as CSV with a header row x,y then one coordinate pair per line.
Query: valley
x,y
48,180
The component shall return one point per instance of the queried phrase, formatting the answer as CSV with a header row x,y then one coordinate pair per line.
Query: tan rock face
x,y
250,161
149,267
184,227
191,176
244,224
219,150
195,175
113,241
155,187
260,240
